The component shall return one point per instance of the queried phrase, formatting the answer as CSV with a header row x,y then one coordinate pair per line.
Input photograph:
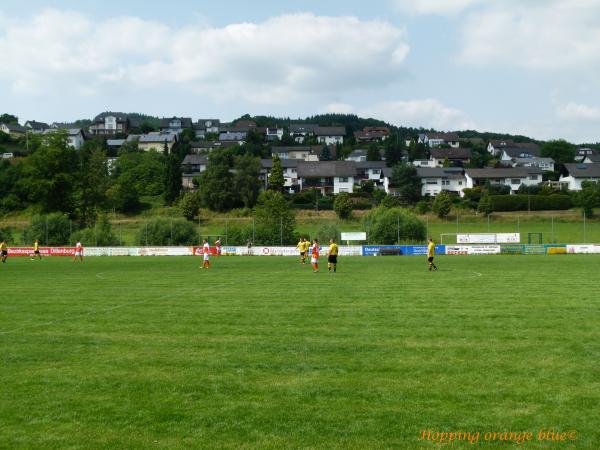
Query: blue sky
x,y
492,65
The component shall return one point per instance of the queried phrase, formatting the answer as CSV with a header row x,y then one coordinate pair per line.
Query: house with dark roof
x,y
370,171
357,155
14,130
496,147
512,177
435,139
330,135
305,152
546,164
204,126
437,179
455,156
289,167
75,136
519,151
36,127
273,134
175,124
156,141
592,158
110,122
327,176
583,152
300,131
233,135
192,166
578,173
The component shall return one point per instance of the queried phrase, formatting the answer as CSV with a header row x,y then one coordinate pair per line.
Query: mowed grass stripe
x,y
262,353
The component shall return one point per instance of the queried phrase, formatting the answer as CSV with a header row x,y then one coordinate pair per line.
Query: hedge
x,y
531,202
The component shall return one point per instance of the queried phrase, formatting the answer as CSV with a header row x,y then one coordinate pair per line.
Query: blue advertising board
x,y
409,250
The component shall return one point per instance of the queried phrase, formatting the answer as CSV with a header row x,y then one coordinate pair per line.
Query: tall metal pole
x,y
398,229
553,241
281,231
584,236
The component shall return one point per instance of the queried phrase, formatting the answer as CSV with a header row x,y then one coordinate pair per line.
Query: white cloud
x,y
272,62
437,7
427,113
539,34
578,112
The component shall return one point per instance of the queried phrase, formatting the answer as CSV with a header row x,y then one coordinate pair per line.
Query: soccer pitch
x,y
259,352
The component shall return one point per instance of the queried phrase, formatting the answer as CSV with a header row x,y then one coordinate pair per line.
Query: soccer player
x,y
206,255
315,256
78,252
218,245
3,251
302,249
430,255
332,258
36,250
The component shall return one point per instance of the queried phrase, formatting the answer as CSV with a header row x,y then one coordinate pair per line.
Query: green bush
x,y
101,235
343,206
385,224
51,229
6,234
167,232
326,232
531,202
442,204
422,207
239,234
275,221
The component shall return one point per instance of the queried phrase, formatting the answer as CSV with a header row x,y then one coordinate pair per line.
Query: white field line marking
x,y
477,274
77,316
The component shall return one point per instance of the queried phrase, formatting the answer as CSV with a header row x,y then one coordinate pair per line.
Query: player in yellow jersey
x,y
36,250
430,255
302,249
332,258
3,251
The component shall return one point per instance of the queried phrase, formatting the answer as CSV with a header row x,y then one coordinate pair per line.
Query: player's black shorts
x,y
4,252
302,254
332,259
430,259
36,252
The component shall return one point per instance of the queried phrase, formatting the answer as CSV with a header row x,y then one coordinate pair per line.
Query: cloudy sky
x,y
527,67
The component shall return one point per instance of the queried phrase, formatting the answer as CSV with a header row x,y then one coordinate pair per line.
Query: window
x,y
515,181
343,179
445,182
431,182
376,171
460,183
533,177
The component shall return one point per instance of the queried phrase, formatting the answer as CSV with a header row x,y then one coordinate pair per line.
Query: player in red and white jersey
x,y
78,252
206,255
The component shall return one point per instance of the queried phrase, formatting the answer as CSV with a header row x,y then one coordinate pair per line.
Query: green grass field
x,y
258,352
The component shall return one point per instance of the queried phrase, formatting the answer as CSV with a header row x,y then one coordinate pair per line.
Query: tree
x,y
9,119
190,205
442,204
373,153
485,205
393,152
588,198
407,182
275,220
51,229
163,231
342,205
246,181
172,179
216,184
276,180
93,182
393,225
325,154
561,151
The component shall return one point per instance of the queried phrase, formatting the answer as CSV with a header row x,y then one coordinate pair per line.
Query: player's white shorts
x,y
78,253
314,260
206,257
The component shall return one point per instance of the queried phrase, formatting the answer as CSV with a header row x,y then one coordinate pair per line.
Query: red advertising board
x,y
44,251
199,251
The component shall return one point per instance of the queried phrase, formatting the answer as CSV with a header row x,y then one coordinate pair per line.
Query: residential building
x,y
13,130
112,123
233,135
175,124
496,147
207,126
519,151
205,146
273,134
115,144
75,136
435,139
454,156
301,131
583,152
327,176
36,127
592,158
191,167
330,135
372,134
546,164
156,141
423,163
512,177
306,153
437,179
370,171
578,173
290,173
357,155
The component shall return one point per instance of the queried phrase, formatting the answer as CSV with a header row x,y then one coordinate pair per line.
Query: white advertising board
x,y
472,249
583,248
488,238
354,236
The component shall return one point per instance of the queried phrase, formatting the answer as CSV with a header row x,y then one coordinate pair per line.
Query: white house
x,y
437,179
75,137
370,171
191,167
423,163
36,127
327,176
578,173
592,158
300,131
434,139
512,177
543,163
290,173
306,153
357,155
273,134
175,124
519,151
330,135
455,156
233,136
